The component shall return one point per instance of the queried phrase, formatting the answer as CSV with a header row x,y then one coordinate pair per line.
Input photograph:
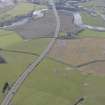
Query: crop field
x,y
18,54
80,52
8,38
54,82
93,20
91,33
54,86
2,10
14,66
60,85
98,5
18,10
93,3
73,68
61,79
45,26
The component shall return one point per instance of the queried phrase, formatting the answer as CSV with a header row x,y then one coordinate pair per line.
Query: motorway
x,y
12,92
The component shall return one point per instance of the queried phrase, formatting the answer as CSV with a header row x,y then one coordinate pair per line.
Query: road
x,y
8,98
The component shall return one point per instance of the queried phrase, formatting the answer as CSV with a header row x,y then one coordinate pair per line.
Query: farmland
x,y
60,85
15,53
93,20
91,33
19,10
73,68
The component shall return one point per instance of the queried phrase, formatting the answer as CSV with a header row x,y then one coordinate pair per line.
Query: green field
x,y
91,33
20,9
16,62
51,84
94,92
98,5
60,85
2,10
8,38
15,65
34,46
93,3
94,21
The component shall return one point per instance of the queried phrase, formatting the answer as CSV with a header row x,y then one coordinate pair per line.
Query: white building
x,y
39,13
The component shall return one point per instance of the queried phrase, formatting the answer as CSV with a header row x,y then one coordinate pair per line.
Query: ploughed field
x,y
81,53
46,25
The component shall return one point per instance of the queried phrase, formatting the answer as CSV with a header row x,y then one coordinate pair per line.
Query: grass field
x,y
91,33
60,85
94,90
54,83
92,3
81,53
53,86
18,10
2,10
8,38
34,46
98,5
16,62
94,21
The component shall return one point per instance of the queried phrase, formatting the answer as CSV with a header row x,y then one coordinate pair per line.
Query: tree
x,y
6,87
